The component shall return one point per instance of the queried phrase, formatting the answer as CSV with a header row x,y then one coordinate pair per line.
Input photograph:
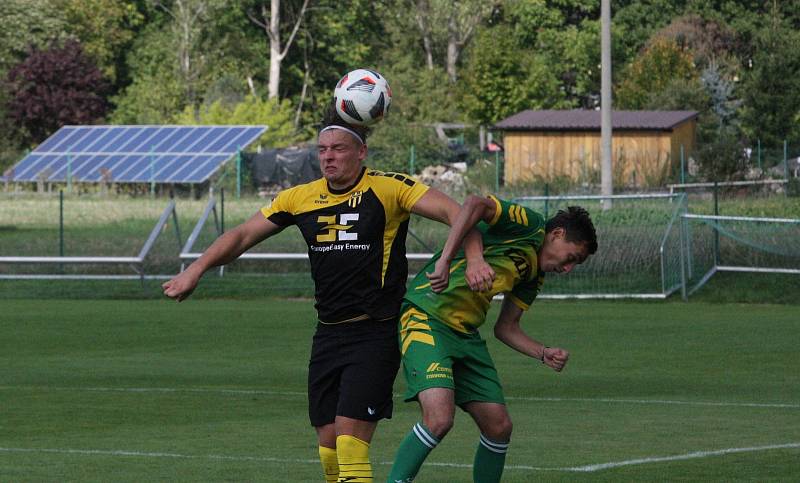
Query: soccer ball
x,y
362,97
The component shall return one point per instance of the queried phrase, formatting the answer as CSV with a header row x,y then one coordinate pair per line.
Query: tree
x,y
771,105
271,23
334,38
25,24
449,24
156,93
496,85
252,110
105,33
636,21
654,69
188,21
54,87
566,35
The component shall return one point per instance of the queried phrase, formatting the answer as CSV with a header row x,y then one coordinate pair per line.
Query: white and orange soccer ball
x,y
362,97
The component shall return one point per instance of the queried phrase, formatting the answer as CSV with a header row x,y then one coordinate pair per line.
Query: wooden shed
x,y
549,145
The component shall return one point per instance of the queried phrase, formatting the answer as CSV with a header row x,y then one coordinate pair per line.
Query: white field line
x,y
573,469
247,392
251,392
655,401
687,456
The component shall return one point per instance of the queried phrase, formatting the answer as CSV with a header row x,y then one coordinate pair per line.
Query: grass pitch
x,y
142,390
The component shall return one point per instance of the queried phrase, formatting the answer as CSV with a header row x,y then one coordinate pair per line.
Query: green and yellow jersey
x,y
510,244
356,241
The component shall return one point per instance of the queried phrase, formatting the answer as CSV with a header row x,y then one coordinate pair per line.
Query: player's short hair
x,y
578,227
332,118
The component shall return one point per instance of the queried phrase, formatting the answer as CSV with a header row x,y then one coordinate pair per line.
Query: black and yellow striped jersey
x,y
356,241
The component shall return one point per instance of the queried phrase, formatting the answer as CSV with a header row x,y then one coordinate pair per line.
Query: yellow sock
x,y
330,464
353,455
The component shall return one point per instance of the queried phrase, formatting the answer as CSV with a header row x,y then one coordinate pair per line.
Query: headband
x,y
336,126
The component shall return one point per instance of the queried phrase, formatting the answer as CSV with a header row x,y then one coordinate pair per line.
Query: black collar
x,y
345,190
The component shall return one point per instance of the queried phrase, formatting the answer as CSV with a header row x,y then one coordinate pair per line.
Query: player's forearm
x,y
513,336
225,249
473,245
468,217
508,330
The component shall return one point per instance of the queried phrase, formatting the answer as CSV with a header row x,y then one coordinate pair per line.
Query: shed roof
x,y
585,120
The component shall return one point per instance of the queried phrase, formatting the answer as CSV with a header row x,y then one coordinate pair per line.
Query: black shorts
x,y
352,371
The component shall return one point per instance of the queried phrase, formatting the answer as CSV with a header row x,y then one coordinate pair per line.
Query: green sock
x,y
490,458
416,446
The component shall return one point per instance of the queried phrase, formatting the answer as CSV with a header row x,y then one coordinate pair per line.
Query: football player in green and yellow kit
x,y
445,360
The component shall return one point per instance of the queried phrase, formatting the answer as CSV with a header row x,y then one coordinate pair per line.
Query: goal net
x,y
639,246
739,244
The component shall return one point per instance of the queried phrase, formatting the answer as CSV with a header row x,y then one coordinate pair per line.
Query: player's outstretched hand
x,y
440,277
181,286
479,275
556,358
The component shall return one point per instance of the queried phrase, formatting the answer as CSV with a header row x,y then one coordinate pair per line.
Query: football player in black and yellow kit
x,y
355,222
445,360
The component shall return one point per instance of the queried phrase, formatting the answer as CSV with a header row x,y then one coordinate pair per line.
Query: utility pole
x,y
606,173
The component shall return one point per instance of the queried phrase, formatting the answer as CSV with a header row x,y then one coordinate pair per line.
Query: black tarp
x,y
283,167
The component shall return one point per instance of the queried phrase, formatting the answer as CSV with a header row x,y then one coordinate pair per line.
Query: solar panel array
x,y
134,154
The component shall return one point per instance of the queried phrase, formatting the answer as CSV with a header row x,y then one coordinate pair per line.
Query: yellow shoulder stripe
x,y
498,210
518,215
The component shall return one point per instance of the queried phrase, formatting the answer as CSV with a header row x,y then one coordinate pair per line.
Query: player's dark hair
x,y
332,118
578,227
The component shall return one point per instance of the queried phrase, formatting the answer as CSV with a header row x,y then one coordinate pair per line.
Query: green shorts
x,y
434,355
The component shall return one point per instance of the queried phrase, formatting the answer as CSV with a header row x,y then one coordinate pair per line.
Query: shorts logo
x,y
436,371
337,231
370,411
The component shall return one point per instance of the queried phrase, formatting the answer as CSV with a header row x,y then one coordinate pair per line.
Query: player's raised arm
x,y
225,249
508,330
438,206
479,275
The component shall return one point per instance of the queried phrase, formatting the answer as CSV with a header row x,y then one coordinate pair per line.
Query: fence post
x,y
496,172
684,251
759,158
69,173
716,227
152,174
786,167
61,223
546,199
238,172
222,210
683,166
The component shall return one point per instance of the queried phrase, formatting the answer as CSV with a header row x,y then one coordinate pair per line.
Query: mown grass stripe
x,y
251,392
579,469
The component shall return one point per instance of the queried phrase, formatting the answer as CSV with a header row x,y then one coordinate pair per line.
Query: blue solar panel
x,y
135,154
54,139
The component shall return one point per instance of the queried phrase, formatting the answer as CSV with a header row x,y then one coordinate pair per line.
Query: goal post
x,y
639,246
717,243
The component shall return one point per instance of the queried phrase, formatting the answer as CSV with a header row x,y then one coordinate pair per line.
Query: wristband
x,y
542,359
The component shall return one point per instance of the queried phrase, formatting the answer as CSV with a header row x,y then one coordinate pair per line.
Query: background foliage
x,y
737,62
